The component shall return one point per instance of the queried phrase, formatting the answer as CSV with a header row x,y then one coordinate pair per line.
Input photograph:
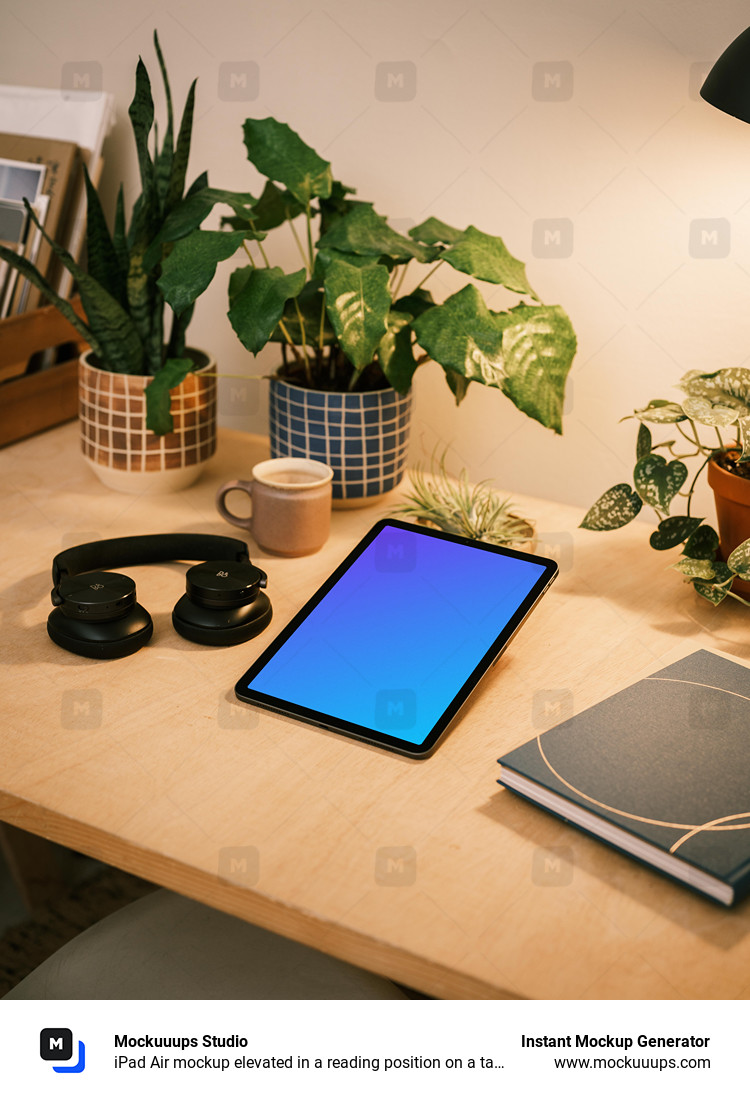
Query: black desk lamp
x,y
727,86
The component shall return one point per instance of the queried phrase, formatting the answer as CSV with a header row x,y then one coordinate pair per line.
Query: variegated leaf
x,y
735,380
704,411
538,349
703,543
716,590
744,437
739,560
464,336
658,481
711,592
358,301
672,531
698,383
643,445
613,509
694,567
661,412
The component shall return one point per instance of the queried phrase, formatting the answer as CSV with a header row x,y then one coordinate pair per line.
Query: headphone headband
x,y
143,549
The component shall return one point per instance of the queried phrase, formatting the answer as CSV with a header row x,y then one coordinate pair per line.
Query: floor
x,y
71,893
73,869
12,909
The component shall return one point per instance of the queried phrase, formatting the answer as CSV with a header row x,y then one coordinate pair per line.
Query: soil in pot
x,y
332,375
730,461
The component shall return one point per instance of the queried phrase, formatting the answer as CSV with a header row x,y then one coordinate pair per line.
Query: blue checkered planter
x,y
364,437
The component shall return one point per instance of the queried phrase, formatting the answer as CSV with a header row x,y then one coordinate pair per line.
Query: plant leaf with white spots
x,y
703,543
673,530
694,567
613,509
658,481
661,412
705,411
739,560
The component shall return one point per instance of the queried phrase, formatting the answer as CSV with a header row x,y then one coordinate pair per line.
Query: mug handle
x,y
230,517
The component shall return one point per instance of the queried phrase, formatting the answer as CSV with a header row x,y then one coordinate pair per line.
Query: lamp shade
x,y
727,86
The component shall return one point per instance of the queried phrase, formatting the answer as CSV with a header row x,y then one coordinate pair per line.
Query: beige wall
x,y
508,114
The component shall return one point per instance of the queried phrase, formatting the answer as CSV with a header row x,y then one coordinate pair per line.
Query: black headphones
x,y
96,614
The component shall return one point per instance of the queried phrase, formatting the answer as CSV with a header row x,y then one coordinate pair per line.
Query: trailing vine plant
x,y
714,402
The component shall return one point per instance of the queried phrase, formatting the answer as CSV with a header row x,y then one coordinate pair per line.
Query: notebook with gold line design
x,y
660,770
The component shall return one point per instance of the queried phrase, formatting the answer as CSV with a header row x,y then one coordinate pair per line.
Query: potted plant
x,y
714,403
147,402
356,319
456,506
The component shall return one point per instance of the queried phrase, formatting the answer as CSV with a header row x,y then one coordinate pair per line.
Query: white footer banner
x,y
332,1049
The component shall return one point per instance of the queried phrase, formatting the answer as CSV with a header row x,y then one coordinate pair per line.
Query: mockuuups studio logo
x,y
238,397
240,865
395,81
557,545
551,706
395,552
239,80
710,238
82,76
81,709
552,80
396,866
552,238
552,867
232,717
56,1045
396,709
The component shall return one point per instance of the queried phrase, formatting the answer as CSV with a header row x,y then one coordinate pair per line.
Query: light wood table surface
x,y
424,871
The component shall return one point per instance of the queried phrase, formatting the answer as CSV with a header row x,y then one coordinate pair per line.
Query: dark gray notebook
x,y
660,770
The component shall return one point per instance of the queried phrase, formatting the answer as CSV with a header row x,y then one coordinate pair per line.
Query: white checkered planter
x,y
364,437
121,450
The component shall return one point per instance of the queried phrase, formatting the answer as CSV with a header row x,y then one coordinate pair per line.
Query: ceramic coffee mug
x,y
291,505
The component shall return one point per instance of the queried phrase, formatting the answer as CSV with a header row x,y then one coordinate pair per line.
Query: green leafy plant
x,y
715,401
357,314
122,290
455,506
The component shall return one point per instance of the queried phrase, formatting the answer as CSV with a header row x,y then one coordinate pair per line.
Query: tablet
x,y
393,643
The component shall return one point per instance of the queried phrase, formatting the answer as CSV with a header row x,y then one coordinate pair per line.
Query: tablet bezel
x,y
329,722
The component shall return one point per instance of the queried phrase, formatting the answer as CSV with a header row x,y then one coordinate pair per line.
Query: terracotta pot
x,y
732,496
364,437
119,448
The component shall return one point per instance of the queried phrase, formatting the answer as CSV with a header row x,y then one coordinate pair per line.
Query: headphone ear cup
x,y
215,626
223,604
96,615
101,640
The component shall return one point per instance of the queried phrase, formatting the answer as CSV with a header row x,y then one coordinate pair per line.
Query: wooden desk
x,y
423,871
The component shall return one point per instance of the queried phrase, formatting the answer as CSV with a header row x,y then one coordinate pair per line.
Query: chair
x,y
165,947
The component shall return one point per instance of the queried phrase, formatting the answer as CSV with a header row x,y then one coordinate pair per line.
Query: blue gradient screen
x,y
399,634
